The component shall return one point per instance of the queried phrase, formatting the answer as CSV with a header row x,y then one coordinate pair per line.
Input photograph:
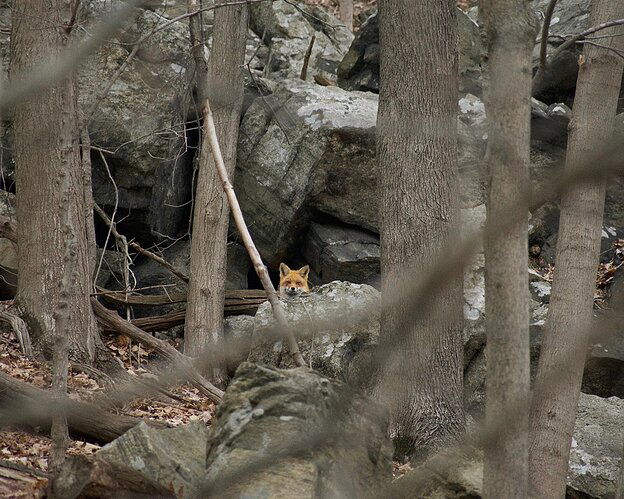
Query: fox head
x,y
293,282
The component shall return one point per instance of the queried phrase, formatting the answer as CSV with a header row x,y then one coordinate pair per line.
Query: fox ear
x,y
284,269
304,271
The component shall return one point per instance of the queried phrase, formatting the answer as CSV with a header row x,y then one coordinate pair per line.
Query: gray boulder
x,y
305,148
359,70
237,331
167,462
347,451
140,120
596,452
604,368
287,27
328,338
338,252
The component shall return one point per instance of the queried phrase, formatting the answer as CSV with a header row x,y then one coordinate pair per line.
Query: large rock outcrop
x,y
307,153
305,148
287,28
265,410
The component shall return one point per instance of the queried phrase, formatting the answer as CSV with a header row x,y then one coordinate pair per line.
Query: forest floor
x,y
28,451
32,450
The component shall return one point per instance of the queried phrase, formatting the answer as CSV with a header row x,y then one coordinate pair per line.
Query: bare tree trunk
x,y
619,493
511,27
580,223
417,148
60,366
206,295
43,156
346,13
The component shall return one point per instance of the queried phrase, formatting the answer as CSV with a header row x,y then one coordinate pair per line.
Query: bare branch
x,y
254,255
113,321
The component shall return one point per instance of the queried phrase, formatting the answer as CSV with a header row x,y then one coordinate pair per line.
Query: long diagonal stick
x,y
259,267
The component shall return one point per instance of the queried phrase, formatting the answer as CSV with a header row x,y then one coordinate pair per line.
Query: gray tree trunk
x,y
206,295
564,345
48,157
346,13
510,27
417,149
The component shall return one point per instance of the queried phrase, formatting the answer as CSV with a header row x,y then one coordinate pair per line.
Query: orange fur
x,y
293,282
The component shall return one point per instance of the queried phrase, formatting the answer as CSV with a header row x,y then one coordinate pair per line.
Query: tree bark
x,y
580,224
417,150
206,294
43,155
510,27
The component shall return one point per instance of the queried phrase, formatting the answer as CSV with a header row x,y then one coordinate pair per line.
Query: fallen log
x,y
239,301
176,318
28,406
112,321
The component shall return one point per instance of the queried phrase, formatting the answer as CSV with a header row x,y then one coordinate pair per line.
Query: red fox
x,y
293,282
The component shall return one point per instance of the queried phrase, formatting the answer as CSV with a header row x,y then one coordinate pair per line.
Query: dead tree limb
x,y
544,41
111,320
26,405
254,255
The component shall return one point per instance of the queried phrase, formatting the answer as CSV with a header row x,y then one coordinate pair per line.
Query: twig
x,y
313,335
254,256
306,59
138,248
109,221
545,27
